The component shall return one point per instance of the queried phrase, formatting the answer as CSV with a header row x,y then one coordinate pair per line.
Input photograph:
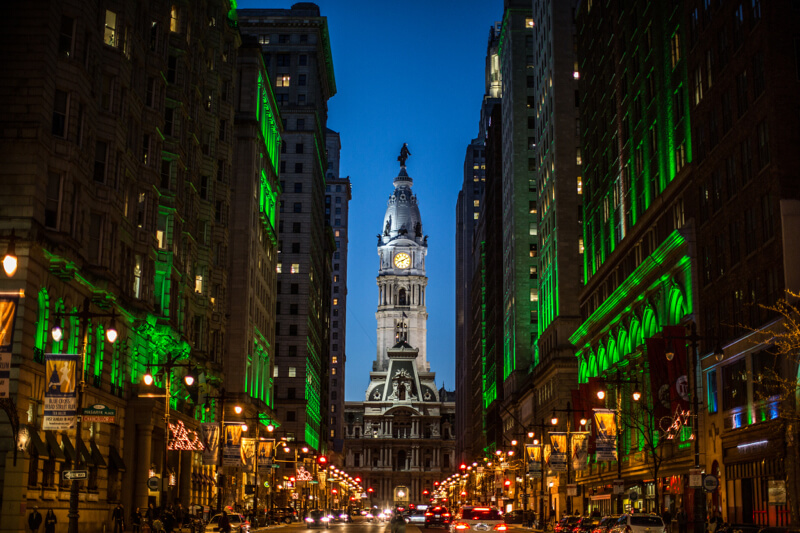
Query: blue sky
x,y
405,72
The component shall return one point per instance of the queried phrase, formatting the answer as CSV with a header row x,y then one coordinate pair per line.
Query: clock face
x,y
402,260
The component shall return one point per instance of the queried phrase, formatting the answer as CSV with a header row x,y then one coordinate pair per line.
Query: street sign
x,y
710,483
99,413
69,475
153,483
572,489
695,478
619,486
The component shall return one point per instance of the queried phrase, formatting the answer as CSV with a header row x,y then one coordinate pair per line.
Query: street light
x,y
10,259
84,316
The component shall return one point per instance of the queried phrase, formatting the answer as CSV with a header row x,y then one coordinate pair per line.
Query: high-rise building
x,y
637,163
401,438
119,136
337,204
297,53
520,242
468,208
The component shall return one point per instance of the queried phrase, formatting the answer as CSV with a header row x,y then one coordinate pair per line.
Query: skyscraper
x,y
297,53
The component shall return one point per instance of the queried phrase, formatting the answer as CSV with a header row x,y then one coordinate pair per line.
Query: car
x,y
317,518
283,514
566,524
743,528
586,524
639,523
605,525
470,519
416,516
238,523
437,515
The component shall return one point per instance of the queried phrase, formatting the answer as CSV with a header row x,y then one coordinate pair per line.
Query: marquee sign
x,y
180,440
303,474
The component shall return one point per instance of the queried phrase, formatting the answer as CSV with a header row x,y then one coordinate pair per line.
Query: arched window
x,y
402,297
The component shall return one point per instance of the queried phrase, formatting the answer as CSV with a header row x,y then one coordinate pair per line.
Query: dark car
x,y
605,525
437,516
566,524
586,524
317,518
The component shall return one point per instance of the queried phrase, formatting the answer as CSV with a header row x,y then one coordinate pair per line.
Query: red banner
x,y
659,376
677,369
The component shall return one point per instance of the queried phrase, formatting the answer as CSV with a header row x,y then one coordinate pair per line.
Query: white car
x,y
471,519
639,523
238,523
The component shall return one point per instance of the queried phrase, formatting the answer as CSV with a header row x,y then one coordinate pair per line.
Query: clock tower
x,y
402,247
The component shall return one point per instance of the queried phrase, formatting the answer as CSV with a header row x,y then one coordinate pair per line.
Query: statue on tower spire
x,y
404,154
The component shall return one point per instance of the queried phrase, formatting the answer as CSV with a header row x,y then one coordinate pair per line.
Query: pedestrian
x,y
667,517
224,522
168,519
35,520
180,516
683,520
136,521
118,518
712,524
150,515
50,521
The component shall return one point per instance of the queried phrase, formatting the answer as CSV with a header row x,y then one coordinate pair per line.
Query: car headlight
x,y
309,519
325,519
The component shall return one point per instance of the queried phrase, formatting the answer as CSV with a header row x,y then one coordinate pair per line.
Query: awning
x,y
97,457
36,445
52,443
84,451
114,458
69,449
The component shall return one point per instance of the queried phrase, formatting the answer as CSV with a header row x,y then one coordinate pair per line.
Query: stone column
x,y
144,441
185,479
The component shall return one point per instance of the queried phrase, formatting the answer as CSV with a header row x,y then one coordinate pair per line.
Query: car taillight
x,y
500,527
428,514
461,526
446,515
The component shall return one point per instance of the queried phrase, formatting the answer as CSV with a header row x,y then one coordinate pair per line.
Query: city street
x,y
360,525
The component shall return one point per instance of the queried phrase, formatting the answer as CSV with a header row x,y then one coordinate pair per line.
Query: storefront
x,y
754,483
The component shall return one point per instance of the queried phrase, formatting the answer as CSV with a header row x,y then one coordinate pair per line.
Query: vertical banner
x,y
677,369
558,457
60,396
265,450
579,453
210,436
8,313
232,452
248,452
659,377
606,434
546,453
533,455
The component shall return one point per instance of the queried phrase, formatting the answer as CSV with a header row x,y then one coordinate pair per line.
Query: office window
x,y
298,168
292,372
100,161
275,370
66,36
110,32
675,48
301,80
302,60
283,60
283,81
52,208
174,19
763,144
297,207
295,268
293,329
711,378
734,385
60,107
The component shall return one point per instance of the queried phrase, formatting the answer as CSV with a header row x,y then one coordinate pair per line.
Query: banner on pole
x,y
533,453
546,453
210,436
232,452
265,449
61,394
558,456
606,434
248,452
579,454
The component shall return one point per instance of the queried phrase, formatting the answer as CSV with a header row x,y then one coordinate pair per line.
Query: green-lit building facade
x,y
638,242
121,148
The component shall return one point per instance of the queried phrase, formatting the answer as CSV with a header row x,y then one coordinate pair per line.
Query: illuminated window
x,y
533,229
292,372
335,280
476,203
529,23
275,372
137,276
336,301
173,19
295,268
580,185
110,35
675,48
337,231
475,216
334,359
333,371
578,158
580,246
278,267
283,81
263,39
534,295
198,284
698,85
534,274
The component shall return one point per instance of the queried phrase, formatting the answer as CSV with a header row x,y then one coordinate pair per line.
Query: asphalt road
x,y
360,525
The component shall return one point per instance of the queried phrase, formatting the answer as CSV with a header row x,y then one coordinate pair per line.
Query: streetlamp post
x,y
554,421
541,425
636,395
111,334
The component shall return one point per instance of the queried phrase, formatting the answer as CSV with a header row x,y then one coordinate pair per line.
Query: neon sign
x,y
179,439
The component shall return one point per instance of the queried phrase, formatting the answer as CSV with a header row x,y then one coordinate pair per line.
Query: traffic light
x,y
322,460
463,466
425,492
507,483
358,480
